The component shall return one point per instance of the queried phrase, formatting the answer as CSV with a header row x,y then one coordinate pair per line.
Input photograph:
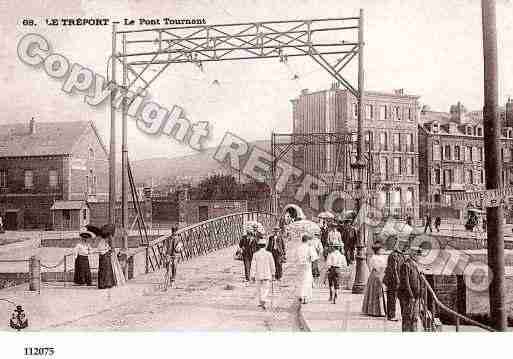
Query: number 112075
x,y
40,351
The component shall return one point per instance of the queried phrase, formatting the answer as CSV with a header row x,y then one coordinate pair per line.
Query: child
x,y
335,262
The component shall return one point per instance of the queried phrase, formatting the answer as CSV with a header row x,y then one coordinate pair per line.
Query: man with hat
x,y
276,246
262,271
335,262
410,290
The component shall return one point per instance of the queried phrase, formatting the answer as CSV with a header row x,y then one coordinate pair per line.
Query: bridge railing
x,y
204,237
431,304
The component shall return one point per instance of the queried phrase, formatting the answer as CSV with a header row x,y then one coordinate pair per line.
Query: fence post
x,y
35,274
65,269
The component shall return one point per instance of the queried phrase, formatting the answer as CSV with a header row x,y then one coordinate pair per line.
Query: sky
x,y
432,49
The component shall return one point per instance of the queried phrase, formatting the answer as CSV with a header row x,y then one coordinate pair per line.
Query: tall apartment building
x,y
452,153
391,141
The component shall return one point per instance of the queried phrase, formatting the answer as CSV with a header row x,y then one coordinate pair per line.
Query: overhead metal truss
x,y
345,151
332,43
146,53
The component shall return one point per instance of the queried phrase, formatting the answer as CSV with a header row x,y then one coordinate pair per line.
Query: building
x,y
390,128
452,154
45,162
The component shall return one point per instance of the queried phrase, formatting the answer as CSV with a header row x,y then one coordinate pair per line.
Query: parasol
x,y
294,210
303,226
254,226
326,215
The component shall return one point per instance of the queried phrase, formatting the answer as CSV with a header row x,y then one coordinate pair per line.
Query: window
x,y
52,178
3,179
436,198
457,153
383,141
482,176
29,179
502,154
384,168
397,113
457,175
468,154
409,166
447,177
408,198
479,131
409,114
91,154
437,175
355,110
84,214
469,177
383,113
409,143
481,154
369,112
66,215
397,165
447,152
436,152
396,141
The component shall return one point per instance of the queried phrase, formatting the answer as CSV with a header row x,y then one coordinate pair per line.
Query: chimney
x,y
32,126
304,91
399,92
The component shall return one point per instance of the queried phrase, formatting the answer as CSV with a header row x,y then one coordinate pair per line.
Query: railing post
x,y
65,269
35,274
457,323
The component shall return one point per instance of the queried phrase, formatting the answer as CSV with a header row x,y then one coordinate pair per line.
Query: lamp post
x,y
361,270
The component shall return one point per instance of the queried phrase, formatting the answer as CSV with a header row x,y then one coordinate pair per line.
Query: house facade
x,y
45,162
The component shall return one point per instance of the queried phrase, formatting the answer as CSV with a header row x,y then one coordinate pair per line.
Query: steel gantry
x,y
146,53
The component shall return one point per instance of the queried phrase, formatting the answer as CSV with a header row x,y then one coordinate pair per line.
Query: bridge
x,y
209,291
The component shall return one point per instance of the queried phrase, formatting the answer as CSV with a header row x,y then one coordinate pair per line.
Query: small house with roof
x,y
49,170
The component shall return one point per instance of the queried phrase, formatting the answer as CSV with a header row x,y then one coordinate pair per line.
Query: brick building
x,y
390,129
452,153
41,163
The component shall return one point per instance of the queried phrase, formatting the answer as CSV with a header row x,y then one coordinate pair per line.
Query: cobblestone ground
x,y
209,294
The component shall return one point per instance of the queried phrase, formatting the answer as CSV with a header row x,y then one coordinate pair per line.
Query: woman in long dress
x,y
119,278
105,272
82,250
373,299
304,256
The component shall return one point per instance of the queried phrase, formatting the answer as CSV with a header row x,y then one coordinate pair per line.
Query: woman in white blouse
x,y
82,250
373,299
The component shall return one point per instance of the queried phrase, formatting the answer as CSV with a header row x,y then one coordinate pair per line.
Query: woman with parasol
x,y
82,274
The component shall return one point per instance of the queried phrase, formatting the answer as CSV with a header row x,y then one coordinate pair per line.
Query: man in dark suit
x,y
247,244
392,279
276,246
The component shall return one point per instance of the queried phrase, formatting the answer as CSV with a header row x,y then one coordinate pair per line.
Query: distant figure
x,y
428,223
276,246
262,271
82,273
349,239
438,222
409,221
317,252
2,230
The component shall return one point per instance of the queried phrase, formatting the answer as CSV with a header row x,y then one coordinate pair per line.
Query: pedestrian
x,y
276,246
391,279
438,222
248,246
304,257
172,251
349,238
82,274
262,271
104,250
409,221
428,223
334,263
373,298
410,291
317,252
324,234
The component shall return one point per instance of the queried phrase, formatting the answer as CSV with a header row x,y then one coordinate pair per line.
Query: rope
x,y
54,266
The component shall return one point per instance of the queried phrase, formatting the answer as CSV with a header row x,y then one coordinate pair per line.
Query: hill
x,y
190,168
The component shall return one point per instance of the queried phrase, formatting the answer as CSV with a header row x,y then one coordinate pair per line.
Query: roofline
x,y
95,130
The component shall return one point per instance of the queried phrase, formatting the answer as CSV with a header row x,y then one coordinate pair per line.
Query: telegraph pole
x,y
124,158
493,167
112,147
360,265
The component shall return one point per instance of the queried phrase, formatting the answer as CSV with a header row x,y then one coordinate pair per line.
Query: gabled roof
x,y
49,138
58,205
